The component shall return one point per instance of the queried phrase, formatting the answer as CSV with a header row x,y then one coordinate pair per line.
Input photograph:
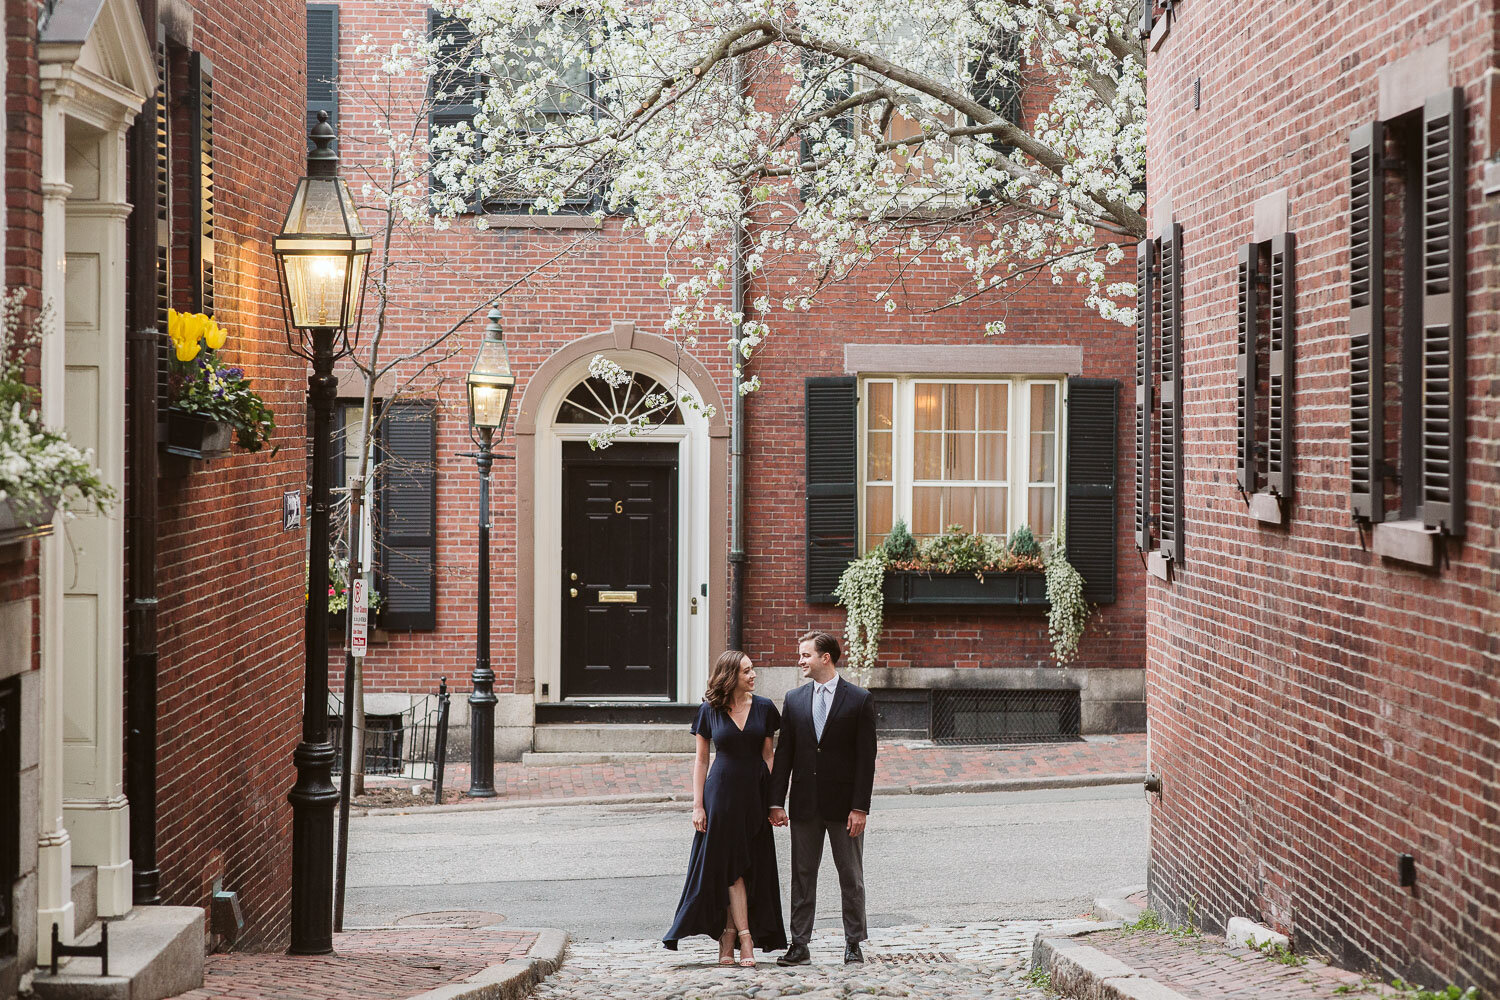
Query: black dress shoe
x,y
796,954
852,954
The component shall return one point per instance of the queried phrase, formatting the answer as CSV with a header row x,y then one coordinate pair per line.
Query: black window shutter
x,y
1245,373
408,515
1444,320
1279,379
201,142
832,408
1093,433
1170,522
323,63
1145,310
814,64
163,224
461,87
1366,321
1002,95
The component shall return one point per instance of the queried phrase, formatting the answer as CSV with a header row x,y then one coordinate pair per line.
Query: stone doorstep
x,y
154,952
569,737
511,980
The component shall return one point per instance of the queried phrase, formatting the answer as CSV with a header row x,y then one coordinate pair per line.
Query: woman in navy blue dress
x,y
732,891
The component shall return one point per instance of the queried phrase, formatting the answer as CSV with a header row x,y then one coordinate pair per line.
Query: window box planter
x,y
914,588
18,522
193,436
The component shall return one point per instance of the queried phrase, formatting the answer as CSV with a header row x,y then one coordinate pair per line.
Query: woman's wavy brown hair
x,y
723,678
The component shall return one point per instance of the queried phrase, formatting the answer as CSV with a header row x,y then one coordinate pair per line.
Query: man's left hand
x,y
856,823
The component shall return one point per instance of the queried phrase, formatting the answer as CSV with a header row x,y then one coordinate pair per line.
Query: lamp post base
x,y
313,798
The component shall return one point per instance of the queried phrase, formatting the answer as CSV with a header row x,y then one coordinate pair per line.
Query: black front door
x,y
619,571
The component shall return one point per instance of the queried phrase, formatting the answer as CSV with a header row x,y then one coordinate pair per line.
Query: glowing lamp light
x,y
491,382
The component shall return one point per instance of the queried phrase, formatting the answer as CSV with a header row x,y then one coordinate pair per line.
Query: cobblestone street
x,y
979,960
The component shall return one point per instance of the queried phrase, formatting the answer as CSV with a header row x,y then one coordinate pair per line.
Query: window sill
x,y
914,588
542,222
1267,508
1408,541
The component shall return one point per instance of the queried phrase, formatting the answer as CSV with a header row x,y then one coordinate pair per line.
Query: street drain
x,y
911,957
468,919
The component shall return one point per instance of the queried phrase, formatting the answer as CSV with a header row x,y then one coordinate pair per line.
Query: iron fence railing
x,y
996,716
404,744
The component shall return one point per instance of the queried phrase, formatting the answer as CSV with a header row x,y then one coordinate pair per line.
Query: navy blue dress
x,y
738,841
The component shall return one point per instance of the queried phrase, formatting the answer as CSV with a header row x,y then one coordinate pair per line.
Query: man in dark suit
x,y
827,753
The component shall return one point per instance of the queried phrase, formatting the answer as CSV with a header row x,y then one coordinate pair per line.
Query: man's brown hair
x,y
823,643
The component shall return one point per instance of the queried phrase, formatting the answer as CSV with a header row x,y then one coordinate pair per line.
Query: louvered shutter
x,y
1366,321
1279,379
461,88
201,142
812,64
408,515
1145,310
1093,430
832,407
323,64
1003,95
1170,521
1444,320
163,225
1245,374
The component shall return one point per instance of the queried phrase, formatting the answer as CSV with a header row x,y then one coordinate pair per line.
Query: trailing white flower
x,y
861,591
1068,613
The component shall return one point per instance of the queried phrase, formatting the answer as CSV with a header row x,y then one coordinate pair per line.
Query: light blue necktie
x,y
820,711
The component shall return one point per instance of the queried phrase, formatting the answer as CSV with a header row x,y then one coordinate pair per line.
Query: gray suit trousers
x,y
848,858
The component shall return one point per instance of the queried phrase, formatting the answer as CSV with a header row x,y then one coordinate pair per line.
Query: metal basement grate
x,y
911,957
989,716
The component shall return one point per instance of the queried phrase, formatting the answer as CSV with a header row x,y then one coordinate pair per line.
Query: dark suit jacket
x,y
831,778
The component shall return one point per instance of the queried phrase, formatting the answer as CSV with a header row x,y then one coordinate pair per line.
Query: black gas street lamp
x,y
321,254
491,386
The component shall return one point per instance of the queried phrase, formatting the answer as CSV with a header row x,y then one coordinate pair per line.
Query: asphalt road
x,y
616,871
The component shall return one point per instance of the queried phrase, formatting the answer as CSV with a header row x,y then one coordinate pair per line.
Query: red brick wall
x,y
617,278
1315,710
228,579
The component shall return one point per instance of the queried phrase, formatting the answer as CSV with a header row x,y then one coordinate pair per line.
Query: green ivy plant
x,y
861,591
1068,612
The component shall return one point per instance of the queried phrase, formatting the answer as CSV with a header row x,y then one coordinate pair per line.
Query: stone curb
x,y
1086,973
936,788
509,980
1117,905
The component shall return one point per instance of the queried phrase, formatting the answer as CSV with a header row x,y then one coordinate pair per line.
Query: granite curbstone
x,y
511,980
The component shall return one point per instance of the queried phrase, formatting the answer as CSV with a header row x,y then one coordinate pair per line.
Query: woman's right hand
x,y
700,819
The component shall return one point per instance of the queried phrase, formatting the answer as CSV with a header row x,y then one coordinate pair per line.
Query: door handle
x,y
573,577
572,591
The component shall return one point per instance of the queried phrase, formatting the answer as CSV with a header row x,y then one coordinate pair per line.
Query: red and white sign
x,y
360,608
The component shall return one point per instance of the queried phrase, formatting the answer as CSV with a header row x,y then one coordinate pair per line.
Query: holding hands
x,y
778,816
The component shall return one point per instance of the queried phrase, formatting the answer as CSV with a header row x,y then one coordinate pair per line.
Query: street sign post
x,y
359,610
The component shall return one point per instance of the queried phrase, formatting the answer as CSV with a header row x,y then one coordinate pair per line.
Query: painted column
x,y
94,805
54,847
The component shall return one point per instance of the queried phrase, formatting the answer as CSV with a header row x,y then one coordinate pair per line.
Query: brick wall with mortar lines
x,y
229,580
617,279
1315,710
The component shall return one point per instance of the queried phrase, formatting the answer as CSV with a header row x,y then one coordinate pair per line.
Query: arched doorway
x,y
624,547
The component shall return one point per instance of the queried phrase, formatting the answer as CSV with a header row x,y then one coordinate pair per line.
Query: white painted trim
x,y
692,525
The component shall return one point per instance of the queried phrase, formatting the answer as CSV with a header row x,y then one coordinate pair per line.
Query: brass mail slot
x,y
616,597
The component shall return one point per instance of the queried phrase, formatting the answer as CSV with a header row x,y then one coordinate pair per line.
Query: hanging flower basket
x,y
193,435
20,521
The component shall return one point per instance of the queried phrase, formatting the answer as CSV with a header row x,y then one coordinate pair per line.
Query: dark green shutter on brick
x,y
832,415
323,63
1366,322
201,188
1093,451
408,515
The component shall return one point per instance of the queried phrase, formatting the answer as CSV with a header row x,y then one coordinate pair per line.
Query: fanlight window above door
x,y
595,401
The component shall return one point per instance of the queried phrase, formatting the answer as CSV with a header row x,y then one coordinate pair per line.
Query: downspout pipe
x,y
737,558
142,344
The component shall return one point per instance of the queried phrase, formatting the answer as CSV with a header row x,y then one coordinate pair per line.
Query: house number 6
x,y
619,506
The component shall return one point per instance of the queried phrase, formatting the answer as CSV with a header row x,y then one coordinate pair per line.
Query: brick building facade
x,y
185,599
1323,609
604,297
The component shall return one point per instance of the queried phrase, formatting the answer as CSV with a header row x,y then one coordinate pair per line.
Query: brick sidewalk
x,y
899,767
1205,968
383,964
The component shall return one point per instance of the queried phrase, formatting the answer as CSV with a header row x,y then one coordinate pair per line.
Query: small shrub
x,y
1023,544
899,545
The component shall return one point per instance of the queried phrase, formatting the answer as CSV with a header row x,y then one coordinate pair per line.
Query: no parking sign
x,y
359,607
